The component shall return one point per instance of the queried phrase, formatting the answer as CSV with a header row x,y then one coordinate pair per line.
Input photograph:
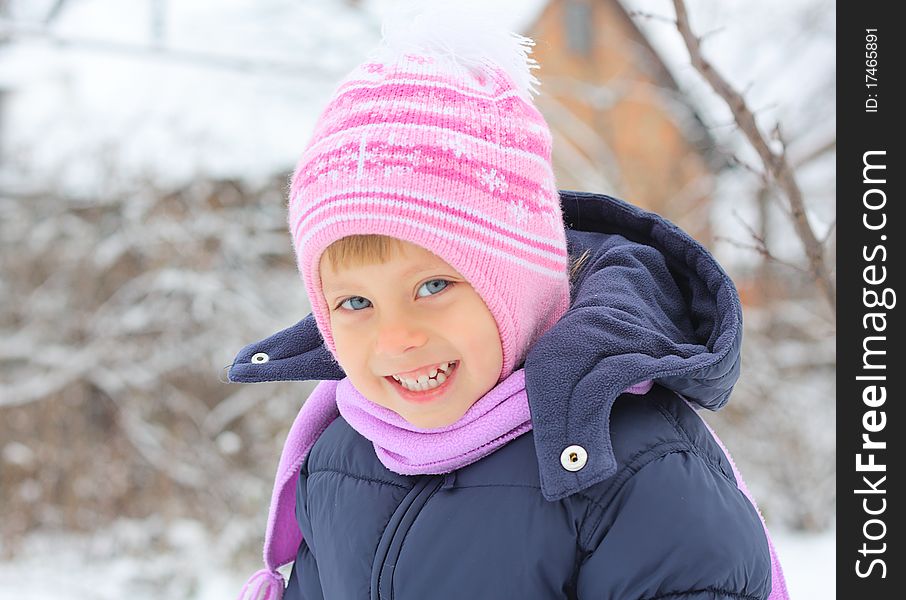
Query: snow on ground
x,y
140,560
121,563
809,563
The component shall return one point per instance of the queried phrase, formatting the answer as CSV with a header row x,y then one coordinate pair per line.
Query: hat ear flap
x,y
296,353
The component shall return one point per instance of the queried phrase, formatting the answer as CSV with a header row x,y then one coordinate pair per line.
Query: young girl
x,y
508,375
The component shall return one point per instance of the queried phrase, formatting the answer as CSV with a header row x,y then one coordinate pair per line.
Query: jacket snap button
x,y
573,458
260,357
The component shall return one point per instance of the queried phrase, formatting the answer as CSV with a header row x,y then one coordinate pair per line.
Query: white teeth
x,y
425,382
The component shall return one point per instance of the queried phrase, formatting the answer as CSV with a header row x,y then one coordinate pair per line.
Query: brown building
x,y
620,124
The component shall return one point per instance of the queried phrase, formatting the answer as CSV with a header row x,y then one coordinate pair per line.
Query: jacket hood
x,y
649,303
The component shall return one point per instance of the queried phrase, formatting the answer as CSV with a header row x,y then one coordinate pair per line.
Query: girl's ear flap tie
x,y
263,585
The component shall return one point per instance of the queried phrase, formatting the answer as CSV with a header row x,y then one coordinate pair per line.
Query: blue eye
x,y
351,299
444,281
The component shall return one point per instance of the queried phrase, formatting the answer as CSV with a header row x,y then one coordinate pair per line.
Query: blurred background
x,y
145,151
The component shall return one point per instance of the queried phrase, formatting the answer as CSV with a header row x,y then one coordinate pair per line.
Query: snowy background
x,y
144,146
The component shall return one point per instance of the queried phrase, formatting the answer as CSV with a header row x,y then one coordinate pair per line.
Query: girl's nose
x,y
398,335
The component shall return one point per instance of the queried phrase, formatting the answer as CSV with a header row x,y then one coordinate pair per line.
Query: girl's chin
x,y
428,423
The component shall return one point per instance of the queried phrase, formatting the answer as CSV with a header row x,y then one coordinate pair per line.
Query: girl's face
x,y
404,317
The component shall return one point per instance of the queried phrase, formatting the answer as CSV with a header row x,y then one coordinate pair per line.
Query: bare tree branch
x,y
775,163
652,16
759,246
749,167
830,231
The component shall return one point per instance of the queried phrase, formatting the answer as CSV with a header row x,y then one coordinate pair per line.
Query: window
x,y
579,28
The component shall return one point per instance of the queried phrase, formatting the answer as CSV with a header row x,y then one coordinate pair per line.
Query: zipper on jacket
x,y
389,547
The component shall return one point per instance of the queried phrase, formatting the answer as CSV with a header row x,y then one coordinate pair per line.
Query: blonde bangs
x,y
361,249
365,249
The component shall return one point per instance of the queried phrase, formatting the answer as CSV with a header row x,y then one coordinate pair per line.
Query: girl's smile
x,y
426,388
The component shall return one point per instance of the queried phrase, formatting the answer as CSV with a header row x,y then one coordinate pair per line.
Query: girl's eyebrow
x,y
422,269
418,269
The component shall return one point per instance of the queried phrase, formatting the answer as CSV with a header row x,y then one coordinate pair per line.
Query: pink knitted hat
x,y
435,140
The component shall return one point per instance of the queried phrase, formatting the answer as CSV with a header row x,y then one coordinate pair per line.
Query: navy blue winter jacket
x,y
655,513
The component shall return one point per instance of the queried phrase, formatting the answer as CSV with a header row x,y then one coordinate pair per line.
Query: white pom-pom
x,y
465,32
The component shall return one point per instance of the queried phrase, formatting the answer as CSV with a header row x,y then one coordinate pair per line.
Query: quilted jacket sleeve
x,y
678,529
303,581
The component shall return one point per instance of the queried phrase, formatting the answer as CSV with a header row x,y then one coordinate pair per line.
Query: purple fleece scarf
x,y
496,418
